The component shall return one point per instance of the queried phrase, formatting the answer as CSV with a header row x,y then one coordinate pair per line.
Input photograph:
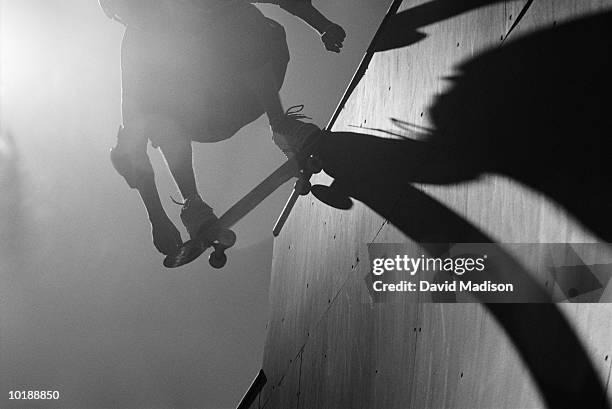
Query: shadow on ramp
x,y
533,110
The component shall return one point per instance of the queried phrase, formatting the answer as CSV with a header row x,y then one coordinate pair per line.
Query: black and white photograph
x,y
309,204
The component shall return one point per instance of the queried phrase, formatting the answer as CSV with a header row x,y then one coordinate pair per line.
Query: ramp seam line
x,y
518,19
299,394
607,388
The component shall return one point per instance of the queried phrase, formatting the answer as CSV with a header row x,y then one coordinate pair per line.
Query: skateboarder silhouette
x,y
199,70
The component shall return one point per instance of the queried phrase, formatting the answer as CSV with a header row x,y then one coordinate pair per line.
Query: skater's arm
x,y
306,12
332,34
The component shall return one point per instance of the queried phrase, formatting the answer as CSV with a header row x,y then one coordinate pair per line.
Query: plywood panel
x,y
397,354
340,352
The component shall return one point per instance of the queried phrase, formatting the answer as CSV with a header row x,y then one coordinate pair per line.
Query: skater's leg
x,y
129,157
289,132
262,82
179,158
166,237
261,77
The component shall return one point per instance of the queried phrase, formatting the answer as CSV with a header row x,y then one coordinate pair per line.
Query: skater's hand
x,y
166,237
333,37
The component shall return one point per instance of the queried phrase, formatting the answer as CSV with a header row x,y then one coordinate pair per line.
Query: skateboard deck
x,y
218,234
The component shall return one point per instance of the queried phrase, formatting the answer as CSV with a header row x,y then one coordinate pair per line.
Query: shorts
x,y
195,76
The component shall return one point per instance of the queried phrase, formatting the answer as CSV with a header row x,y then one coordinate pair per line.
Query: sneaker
x,y
195,214
290,134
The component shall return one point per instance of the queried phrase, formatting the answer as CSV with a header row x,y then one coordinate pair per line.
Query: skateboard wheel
x,y
227,238
302,186
314,164
217,259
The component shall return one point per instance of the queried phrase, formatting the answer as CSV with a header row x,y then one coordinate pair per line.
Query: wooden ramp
x,y
472,80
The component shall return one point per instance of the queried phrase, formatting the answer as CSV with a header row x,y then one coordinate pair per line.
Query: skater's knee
x,y
129,158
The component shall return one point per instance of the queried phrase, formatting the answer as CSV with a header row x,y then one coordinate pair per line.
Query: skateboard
x,y
219,235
